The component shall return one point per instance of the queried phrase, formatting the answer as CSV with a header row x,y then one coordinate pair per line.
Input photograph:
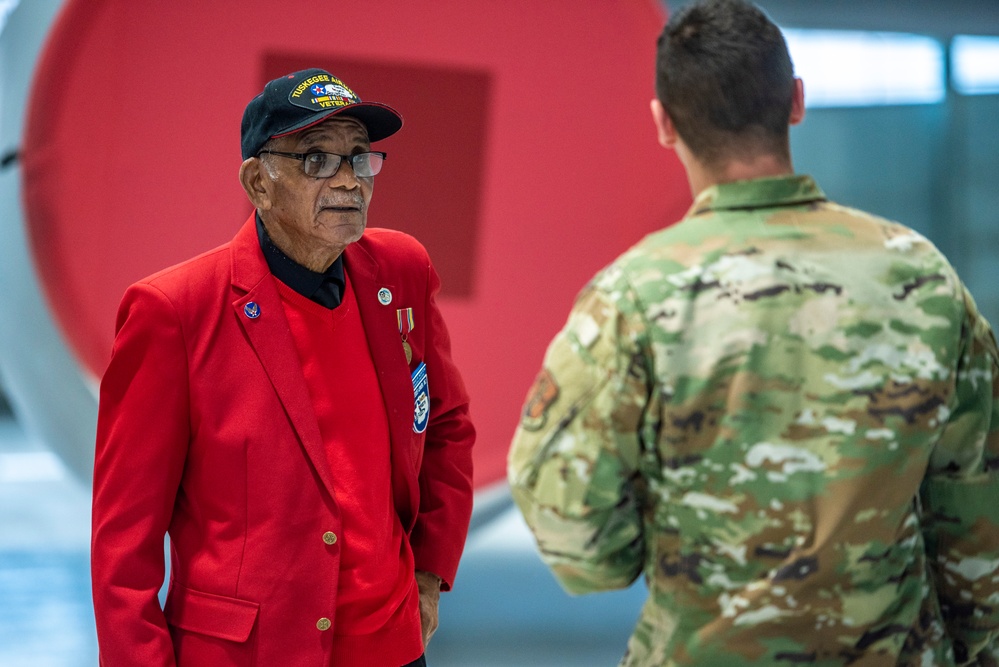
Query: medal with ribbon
x,y
405,318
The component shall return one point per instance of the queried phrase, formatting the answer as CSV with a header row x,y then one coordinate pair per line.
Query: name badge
x,y
421,397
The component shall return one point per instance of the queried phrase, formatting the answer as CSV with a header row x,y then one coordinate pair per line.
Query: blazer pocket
x,y
209,614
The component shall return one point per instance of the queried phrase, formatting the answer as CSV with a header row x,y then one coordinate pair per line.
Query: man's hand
x,y
430,593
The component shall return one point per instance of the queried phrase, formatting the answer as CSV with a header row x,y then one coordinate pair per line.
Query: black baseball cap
x,y
296,101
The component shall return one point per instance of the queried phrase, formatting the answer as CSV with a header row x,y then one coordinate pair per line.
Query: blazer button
x,y
329,537
323,624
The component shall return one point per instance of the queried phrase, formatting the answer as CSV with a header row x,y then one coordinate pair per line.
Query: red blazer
x,y
206,431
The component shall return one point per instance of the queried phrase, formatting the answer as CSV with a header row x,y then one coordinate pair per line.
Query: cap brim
x,y
380,120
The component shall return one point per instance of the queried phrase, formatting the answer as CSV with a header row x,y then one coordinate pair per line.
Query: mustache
x,y
340,202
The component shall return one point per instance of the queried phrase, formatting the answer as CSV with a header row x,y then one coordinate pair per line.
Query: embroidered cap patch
x,y
322,91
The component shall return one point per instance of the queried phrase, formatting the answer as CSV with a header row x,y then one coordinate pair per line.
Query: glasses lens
x,y
367,165
321,165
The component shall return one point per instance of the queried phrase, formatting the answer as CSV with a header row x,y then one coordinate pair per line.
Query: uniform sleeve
x,y
142,440
573,466
960,498
446,491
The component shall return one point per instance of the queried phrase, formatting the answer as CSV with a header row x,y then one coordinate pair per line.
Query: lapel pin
x,y
251,310
384,296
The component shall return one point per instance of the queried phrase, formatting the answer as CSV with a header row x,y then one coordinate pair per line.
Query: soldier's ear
x,y
254,183
797,102
665,130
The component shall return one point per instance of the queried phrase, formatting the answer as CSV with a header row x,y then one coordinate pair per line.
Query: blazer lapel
x,y
260,313
382,332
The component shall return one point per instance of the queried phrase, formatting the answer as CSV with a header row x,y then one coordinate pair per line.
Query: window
x,y
6,7
975,65
854,68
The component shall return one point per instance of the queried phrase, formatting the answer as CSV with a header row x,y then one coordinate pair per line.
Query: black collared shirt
x,y
324,288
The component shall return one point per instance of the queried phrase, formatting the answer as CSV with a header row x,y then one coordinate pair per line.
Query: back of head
x,y
725,77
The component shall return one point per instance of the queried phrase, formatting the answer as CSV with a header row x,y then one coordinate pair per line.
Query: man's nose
x,y
344,176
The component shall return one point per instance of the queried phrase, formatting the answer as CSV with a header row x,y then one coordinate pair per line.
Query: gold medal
x,y
408,350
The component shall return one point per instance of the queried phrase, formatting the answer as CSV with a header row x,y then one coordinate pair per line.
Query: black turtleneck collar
x,y
325,288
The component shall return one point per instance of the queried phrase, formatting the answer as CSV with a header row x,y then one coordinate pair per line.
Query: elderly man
x,y
782,411
286,408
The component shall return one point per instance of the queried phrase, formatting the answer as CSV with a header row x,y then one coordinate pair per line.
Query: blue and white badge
x,y
421,397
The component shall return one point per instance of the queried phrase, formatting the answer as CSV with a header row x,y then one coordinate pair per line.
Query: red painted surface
x,y
528,158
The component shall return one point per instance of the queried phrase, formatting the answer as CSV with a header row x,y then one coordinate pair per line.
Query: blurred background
x,y
118,131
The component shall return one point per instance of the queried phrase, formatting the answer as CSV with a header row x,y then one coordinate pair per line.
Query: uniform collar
x,y
758,193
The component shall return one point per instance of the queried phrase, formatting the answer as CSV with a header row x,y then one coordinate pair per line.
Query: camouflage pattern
x,y
785,413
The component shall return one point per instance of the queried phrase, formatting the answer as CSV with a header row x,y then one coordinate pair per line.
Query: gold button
x,y
329,537
323,624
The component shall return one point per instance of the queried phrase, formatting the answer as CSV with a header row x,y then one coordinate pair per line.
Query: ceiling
x,y
940,18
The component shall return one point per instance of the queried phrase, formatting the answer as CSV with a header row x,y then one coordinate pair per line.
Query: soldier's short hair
x,y
725,77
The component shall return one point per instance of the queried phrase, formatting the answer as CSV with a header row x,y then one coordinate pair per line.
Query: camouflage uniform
x,y
785,413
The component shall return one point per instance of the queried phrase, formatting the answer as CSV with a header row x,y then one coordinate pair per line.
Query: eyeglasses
x,y
324,165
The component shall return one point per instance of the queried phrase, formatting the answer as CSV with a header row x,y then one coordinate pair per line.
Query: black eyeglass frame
x,y
302,157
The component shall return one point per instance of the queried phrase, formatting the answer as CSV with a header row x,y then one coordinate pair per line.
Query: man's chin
x,y
348,232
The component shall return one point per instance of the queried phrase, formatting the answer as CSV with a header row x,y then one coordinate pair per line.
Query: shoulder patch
x,y
543,393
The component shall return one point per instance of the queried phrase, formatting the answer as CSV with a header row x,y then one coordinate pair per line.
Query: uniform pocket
x,y
213,615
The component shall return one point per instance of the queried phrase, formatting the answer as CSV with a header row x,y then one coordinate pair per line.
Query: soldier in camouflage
x,y
784,412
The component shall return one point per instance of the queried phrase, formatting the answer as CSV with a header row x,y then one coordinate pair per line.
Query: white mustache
x,y
354,202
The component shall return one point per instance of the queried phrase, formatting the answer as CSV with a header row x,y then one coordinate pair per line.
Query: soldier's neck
x,y
701,176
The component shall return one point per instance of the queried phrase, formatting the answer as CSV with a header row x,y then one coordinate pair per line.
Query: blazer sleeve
x,y
142,438
445,477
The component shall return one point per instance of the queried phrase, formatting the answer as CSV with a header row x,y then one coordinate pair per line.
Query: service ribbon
x,y
405,319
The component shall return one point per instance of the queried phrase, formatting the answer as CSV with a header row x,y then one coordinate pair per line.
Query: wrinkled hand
x,y
430,593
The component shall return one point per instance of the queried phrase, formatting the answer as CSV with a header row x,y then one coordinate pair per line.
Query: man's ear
x,y
252,178
797,102
665,130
